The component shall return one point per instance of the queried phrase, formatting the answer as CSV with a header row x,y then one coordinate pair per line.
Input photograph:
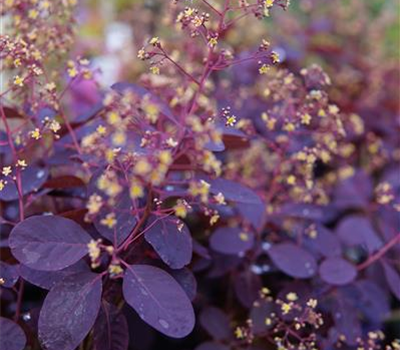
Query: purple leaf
x,y
159,300
337,271
212,346
110,329
234,191
392,278
48,243
48,279
215,322
326,243
247,287
346,321
260,312
9,274
12,336
171,239
231,240
69,311
357,230
293,260
187,281
32,179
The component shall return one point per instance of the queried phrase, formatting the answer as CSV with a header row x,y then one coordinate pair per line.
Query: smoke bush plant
x,y
221,166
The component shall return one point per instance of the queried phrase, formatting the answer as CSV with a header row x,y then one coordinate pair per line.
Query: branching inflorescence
x,y
223,163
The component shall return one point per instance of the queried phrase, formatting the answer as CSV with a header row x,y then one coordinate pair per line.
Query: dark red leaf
x,y
171,239
293,260
48,242
66,181
12,337
69,311
159,300
337,271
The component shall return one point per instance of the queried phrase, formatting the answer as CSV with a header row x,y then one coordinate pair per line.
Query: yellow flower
x,y
154,41
35,134
6,170
141,54
21,163
291,180
291,296
220,199
33,14
94,204
136,190
18,81
155,70
142,167
286,308
113,118
54,126
109,220
212,42
230,120
2,184
274,57
181,208
115,269
306,119
72,72
263,69
101,130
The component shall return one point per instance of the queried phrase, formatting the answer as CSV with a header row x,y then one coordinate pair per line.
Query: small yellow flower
x,y
306,119
2,184
244,236
50,86
214,219
212,42
171,142
136,190
292,296
6,170
115,269
286,308
21,163
54,126
18,81
72,72
181,208
220,199
113,118
33,14
35,134
275,57
155,70
17,62
141,54
109,221
154,41
291,180
264,69
101,130
230,120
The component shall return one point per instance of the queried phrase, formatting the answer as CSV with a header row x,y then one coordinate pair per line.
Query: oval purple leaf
x,y
231,240
358,230
216,323
9,274
69,311
247,287
293,260
337,271
187,281
48,243
12,336
32,178
159,300
48,279
171,239
262,316
111,329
